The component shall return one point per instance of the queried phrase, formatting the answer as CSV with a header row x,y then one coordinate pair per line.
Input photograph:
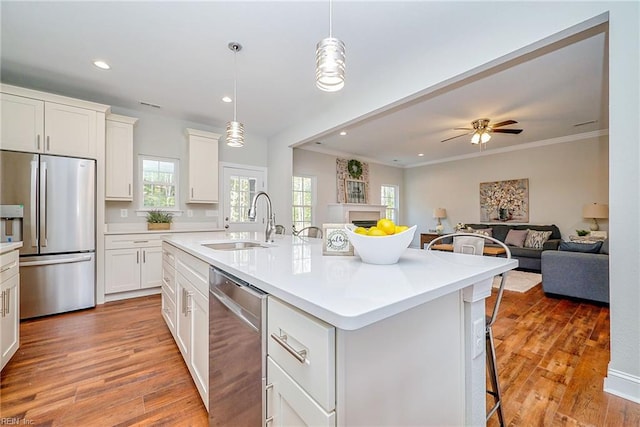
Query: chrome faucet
x,y
271,218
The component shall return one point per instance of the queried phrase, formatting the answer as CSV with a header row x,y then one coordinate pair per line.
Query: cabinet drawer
x,y
316,373
127,241
194,270
169,281
8,265
289,404
169,311
169,254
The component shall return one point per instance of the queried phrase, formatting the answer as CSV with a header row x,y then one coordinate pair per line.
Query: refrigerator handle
x,y
56,261
32,209
43,204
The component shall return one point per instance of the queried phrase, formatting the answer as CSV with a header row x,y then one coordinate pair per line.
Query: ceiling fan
x,y
482,130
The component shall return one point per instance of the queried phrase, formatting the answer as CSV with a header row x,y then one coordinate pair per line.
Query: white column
x,y
474,352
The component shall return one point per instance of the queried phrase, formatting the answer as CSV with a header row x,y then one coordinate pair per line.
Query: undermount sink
x,y
235,246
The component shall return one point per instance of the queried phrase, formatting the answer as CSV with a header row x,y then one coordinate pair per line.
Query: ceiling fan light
x,y
330,64
485,137
235,134
475,139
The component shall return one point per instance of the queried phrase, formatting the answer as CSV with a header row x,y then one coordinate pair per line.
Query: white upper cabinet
x,y
203,166
119,157
69,130
22,123
38,122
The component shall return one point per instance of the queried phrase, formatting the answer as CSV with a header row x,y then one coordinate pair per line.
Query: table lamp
x,y
439,213
595,211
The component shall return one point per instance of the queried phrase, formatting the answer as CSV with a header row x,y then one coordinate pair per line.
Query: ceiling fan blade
x,y
515,131
463,129
506,122
457,136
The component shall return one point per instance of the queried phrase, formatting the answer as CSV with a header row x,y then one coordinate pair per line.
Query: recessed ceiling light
x,y
101,64
226,99
343,133
420,154
318,142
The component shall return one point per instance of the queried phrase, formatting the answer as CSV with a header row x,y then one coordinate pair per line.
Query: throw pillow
x,y
535,239
605,247
487,232
516,238
589,248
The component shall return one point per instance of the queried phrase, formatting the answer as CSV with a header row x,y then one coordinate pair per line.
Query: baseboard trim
x,y
132,294
623,385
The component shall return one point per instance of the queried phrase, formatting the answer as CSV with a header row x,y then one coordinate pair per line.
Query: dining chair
x,y
473,244
311,231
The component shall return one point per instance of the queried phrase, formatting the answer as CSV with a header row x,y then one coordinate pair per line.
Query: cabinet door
x,y
169,312
203,170
183,321
119,161
70,130
10,320
289,405
199,357
151,264
22,123
122,270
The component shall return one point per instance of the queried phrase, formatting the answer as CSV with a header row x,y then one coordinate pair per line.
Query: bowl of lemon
x,y
383,243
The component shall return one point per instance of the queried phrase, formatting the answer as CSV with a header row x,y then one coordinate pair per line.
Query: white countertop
x,y
340,290
9,246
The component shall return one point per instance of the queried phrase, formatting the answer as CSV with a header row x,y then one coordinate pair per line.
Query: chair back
x,y
473,244
311,231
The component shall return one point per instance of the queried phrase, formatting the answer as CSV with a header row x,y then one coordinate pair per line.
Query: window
x,y
302,201
389,198
241,192
159,182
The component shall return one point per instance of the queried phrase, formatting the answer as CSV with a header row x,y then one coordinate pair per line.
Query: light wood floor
x,y
118,365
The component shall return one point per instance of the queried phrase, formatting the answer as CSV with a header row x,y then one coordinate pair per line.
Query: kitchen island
x,y
406,341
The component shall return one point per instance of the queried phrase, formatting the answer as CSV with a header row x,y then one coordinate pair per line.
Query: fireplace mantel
x,y
349,212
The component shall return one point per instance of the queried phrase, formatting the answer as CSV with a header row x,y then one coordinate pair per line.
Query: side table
x,y
426,238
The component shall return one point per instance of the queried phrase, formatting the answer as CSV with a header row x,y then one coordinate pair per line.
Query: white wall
x,y
562,178
323,167
162,136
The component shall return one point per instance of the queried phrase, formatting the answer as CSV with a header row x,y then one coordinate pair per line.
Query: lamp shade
x,y
595,210
439,213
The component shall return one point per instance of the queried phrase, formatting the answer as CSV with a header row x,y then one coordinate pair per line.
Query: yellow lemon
x,y
387,226
375,231
401,228
360,230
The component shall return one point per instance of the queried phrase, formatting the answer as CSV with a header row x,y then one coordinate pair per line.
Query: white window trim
x,y
314,194
142,210
396,206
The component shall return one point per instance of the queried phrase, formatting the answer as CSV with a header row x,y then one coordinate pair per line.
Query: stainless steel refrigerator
x,y
57,227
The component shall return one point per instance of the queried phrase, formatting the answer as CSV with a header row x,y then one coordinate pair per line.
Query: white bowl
x,y
380,249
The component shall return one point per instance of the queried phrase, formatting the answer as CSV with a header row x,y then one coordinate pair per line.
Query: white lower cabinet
x,y
9,306
301,367
192,315
289,405
132,262
169,311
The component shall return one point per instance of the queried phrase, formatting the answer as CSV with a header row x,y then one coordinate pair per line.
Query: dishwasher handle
x,y
236,309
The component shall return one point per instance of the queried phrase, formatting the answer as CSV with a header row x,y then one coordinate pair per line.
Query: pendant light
x,y
330,60
235,129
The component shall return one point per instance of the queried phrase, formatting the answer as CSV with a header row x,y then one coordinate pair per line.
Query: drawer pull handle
x,y
282,340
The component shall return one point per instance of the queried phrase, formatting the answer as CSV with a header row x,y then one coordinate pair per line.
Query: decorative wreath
x,y
355,168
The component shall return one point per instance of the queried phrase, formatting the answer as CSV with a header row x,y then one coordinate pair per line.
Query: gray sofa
x,y
577,274
528,258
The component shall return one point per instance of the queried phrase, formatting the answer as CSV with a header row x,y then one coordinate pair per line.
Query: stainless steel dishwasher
x,y
237,351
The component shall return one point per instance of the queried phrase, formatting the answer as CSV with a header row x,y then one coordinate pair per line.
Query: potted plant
x,y
159,220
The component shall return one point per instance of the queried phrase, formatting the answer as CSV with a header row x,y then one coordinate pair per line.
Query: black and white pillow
x,y
535,239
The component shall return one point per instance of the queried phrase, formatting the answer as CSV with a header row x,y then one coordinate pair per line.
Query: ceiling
x,y
175,55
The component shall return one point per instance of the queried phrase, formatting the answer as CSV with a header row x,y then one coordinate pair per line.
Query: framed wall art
x,y
505,201
355,191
